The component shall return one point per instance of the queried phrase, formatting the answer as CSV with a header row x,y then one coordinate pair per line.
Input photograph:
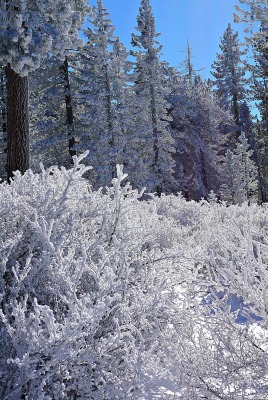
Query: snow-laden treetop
x,y
255,13
30,30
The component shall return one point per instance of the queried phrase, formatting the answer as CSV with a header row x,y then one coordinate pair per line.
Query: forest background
x,y
172,130
140,286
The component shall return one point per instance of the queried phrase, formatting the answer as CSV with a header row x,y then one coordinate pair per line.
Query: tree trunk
x,y
235,111
3,128
110,124
17,123
69,108
3,104
156,144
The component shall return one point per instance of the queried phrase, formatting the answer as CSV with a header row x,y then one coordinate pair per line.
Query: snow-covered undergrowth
x,y
106,296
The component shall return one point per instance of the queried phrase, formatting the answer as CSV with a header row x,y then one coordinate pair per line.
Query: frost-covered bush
x,y
105,295
85,292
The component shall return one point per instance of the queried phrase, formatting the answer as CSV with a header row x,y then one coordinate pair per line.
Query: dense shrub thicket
x,y
116,294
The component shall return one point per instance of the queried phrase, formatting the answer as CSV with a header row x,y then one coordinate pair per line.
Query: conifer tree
x,y
29,32
100,78
48,119
255,14
241,170
246,123
207,121
152,140
228,71
196,127
229,189
122,111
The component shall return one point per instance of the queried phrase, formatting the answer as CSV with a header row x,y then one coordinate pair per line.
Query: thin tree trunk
x,y
69,108
261,157
18,157
236,117
3,104
110,123
204,173
3,118
156,143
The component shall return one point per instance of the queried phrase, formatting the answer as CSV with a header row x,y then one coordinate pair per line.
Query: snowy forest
x,y
133,209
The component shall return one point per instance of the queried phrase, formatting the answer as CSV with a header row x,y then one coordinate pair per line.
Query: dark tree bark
x,y
3,103
69,108
18,157
3,128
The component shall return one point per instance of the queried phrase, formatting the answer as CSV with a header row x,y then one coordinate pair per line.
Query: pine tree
x,y
229,189
48,120
242,173
99,74
122,112
207,121
29,32
18,154
197,130
152,140
246,123
228,71
259,90
256,15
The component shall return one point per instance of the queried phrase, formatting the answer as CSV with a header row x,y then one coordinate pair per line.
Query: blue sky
x,y
202,22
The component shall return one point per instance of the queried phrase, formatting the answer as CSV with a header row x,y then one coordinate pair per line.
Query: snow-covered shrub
x,y
222,338
105,295
233,276
85,288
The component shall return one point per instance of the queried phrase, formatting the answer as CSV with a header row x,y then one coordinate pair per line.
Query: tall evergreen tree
x,y
246,123
99,75
228,71
259,94
122,111
197,130
152,142
29,32
49,129
255,14
196,126
242,183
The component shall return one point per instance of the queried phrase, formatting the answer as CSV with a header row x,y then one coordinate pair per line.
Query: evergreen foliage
x,y
229,71
154,144
100,77
30,30
49,131
242,174
29,33
200,142
168,128
256,15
